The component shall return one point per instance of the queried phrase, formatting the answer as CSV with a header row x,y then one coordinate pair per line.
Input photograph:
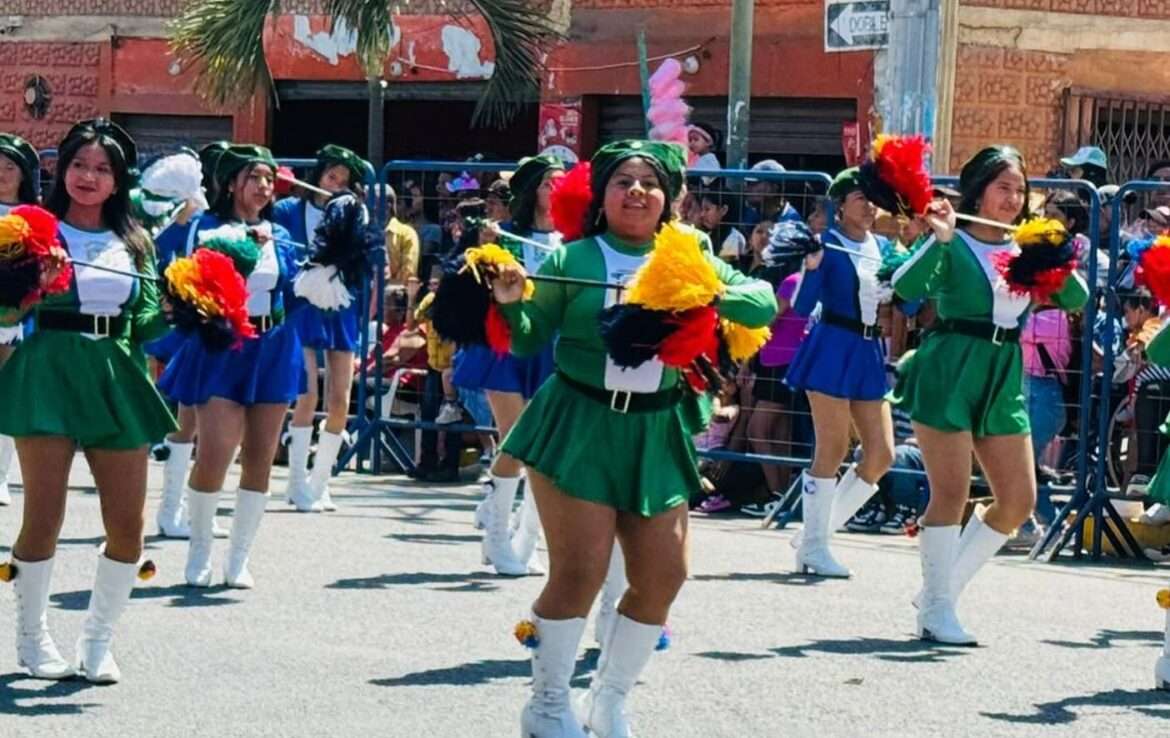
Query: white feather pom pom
x,y
322,287
226,232
176,177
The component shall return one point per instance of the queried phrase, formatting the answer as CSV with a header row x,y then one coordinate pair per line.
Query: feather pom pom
x,y
343,239
463,304
677,276
632,334
322,287
742,342
569,203
233,241
694,336
896,178
497,331
1153,257
29,252
209,297
789,241
1044,256
178,177
892,260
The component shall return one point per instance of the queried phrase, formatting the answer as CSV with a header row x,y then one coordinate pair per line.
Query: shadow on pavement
x,y
477,581
181,596
734,656
776,577
885,649
444,538
1145,702
13,694
1107,638
485,672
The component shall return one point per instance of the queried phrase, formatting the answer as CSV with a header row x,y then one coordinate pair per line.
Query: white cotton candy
x,y
322,287
176,177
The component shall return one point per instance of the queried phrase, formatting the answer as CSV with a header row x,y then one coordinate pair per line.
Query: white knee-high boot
x,y
172,518
246,519
7,456
35,649
851,493
497,538
612,590
549,712
111,593
813,556
624,655
527,533
299,491
978,545
937,621
328,447
202,507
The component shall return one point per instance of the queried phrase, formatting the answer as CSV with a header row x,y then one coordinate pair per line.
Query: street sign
x,y
851,25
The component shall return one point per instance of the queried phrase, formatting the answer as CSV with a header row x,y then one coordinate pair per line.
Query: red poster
x,y
851,143
560,129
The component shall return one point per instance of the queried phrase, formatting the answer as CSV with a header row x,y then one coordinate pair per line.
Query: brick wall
x,y
1113,8
1008,96
72,73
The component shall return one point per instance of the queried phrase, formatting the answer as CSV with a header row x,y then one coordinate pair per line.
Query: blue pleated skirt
x,y
839,363
480,368
328,330
268,369
164,348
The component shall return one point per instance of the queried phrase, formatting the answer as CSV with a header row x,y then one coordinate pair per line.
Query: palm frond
x,y
373,25
224,39
521,32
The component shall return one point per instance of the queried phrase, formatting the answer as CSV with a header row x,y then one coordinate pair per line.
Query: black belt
x,y
103,326
979,329
262,323
623,402
865,330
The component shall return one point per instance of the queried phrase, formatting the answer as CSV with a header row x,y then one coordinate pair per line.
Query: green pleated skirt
x,y
1159,488
955,383
644,463
96,392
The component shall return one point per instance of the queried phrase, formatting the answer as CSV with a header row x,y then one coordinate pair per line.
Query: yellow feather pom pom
x,y
184,278
484,259
1040,232
744,342
677,276
1164,599
13,231
879,143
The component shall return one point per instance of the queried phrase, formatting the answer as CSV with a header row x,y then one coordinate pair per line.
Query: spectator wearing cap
x,y
765,198
1088,163
497,198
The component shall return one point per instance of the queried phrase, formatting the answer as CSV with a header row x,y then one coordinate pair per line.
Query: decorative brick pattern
x,y
1008,96
1112,8
1026,4
71,72
1117,8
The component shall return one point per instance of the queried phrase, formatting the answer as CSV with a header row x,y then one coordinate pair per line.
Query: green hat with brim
x,y
845,182
236,157
529,175
667,159
333,155
22,153
112,131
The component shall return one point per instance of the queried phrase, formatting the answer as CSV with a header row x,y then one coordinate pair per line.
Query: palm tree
x,y
225,40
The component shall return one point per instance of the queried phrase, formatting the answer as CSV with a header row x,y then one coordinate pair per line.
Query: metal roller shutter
x,y
164,134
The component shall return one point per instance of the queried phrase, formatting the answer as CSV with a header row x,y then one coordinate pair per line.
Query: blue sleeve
x,y
289,215
287,255
810,288
171,244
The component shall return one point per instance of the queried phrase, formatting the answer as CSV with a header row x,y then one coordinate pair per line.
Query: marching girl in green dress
x,y
608,450
963,388
18,165
80,380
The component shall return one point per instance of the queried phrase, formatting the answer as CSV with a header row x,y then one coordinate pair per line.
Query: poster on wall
x,y
851,143
559,130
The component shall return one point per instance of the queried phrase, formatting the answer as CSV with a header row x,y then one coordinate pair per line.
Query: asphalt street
x,y
379,620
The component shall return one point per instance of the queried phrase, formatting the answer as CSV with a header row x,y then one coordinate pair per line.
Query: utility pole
x,y
375,121
739,84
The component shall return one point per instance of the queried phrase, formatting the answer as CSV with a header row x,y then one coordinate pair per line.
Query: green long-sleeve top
x,y
960,276
571,312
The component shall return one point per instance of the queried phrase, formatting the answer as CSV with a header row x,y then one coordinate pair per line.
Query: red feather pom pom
x,y
1042,285
228,288
499,333
569,204
696,335
1154,270
901,165
25,283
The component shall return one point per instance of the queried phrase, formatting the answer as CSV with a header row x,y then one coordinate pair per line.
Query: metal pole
x,y
644,74
375,120
739,84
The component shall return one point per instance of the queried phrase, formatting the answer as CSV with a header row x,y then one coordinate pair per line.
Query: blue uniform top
x,y
291,214
843,284
281,294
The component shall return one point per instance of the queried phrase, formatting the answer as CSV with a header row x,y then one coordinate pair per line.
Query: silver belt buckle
x,y
997,335
869,331
264,323
101,326
619,401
